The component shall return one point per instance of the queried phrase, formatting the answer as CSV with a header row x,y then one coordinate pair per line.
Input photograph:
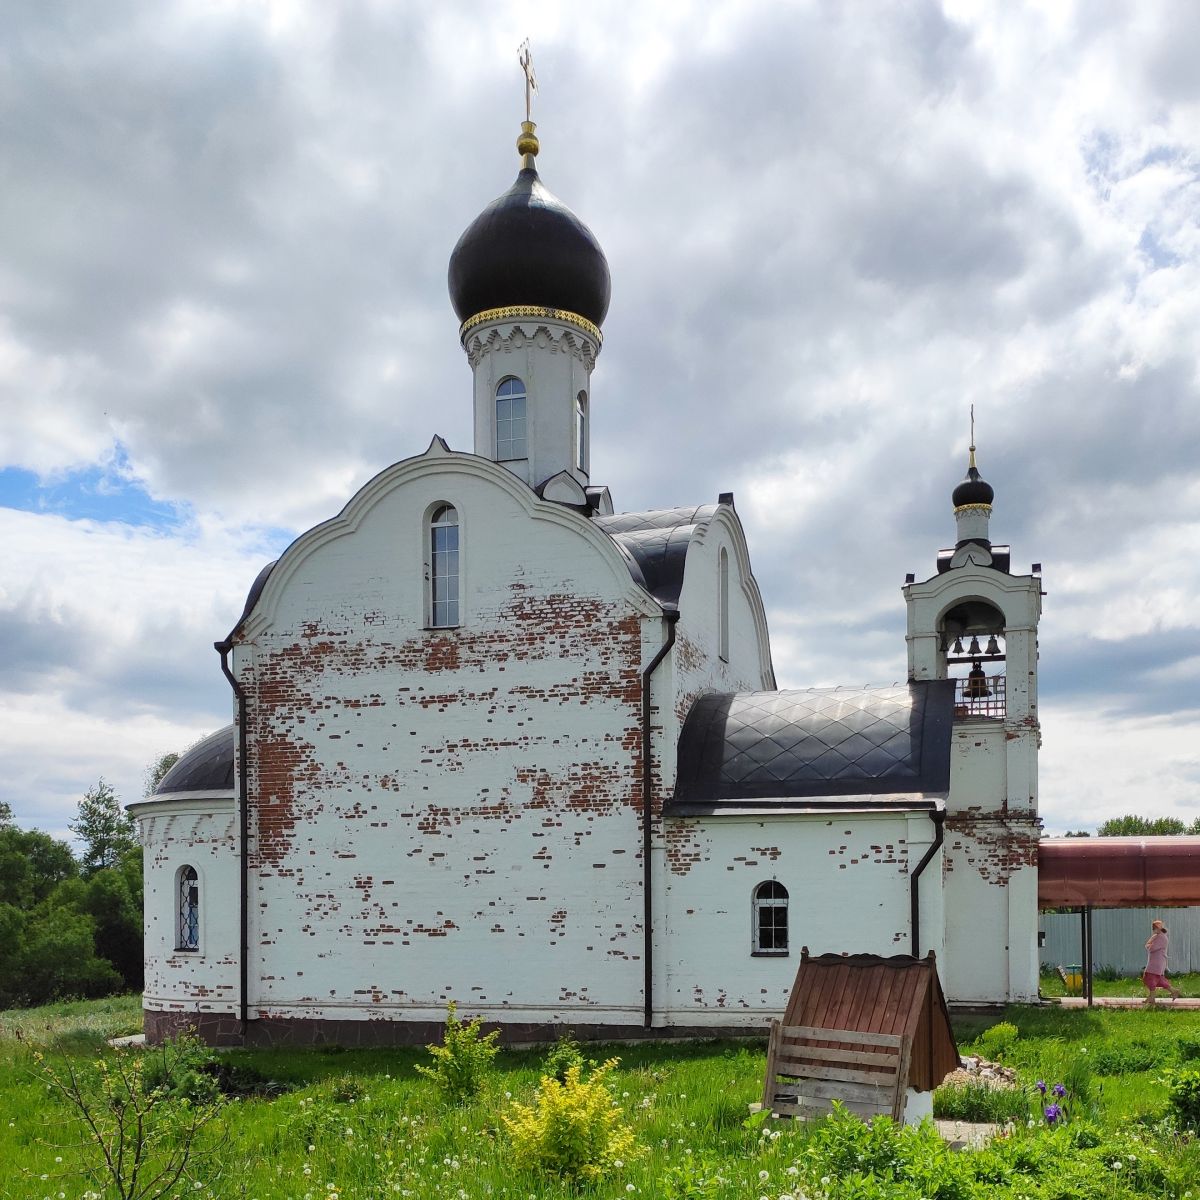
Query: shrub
x,y
976,1101
1130,1056
138,1137
564,1054
998,1040
1183,1095
462,1061
1189,1048
573,1129
183,1068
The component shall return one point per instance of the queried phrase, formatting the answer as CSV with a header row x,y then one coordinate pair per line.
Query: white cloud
x,y
223,243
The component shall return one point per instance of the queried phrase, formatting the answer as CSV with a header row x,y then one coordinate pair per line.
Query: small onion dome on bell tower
x,y
528,250
974,489
972,510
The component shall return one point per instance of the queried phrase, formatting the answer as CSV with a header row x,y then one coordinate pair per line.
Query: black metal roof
x,y
769,750
527,247
655,543
974,489
206,767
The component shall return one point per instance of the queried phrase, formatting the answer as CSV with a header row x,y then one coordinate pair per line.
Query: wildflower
x,y
1041,1086
764,1176
1053,1112
1059,1090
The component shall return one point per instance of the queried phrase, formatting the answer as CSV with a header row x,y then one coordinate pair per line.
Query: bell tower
x,y
976,622
531,288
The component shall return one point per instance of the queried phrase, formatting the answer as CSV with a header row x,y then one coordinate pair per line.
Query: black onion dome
x,y
974,489
207,766
527,247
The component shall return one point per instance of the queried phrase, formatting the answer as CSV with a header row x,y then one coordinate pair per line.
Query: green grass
x,y
1051,985
365,1125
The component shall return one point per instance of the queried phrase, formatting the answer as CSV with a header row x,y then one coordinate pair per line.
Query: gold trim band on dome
x,y
972,508
517,312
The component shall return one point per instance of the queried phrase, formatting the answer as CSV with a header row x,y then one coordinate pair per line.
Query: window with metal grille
x,y
770,907
510,420
443,567
187,935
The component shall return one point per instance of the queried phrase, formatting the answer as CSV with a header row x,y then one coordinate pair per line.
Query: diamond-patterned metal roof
x,y
656,544
817,744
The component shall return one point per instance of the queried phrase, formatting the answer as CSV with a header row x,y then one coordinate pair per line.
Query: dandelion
x,y
764,1176
630,1188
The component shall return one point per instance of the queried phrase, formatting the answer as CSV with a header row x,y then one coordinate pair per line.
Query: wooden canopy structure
x,y
861,1029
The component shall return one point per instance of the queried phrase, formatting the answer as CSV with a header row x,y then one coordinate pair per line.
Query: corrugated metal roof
x,y
207,766
872,994
1117,872
655,543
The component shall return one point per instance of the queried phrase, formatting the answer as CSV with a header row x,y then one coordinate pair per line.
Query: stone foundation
x,y
225,1030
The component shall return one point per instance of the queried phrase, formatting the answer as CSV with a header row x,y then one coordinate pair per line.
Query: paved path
x,y
1188,1002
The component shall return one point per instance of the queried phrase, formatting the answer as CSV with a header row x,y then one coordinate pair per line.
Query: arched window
x,y
443,567
723,604
510,420
770,906
581,431
187,933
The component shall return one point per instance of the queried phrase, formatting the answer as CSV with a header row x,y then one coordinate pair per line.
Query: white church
x,y
496,743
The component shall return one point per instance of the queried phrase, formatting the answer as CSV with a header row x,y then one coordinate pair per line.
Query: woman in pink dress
x,y
1155,974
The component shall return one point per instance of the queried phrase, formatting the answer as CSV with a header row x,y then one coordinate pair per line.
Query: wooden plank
x,y
833,1071
819,1109
884,1058
902,1081
863,1093
815,1033
772,1052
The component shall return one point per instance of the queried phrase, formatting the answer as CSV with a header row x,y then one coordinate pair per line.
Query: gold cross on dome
x,y
525,58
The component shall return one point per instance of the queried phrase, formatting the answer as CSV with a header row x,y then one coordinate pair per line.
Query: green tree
x,y
116,911
1132,825
106,830
32,865
6,814
156,771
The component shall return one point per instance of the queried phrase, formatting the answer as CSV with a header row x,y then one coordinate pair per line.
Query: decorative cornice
x,y
563,340
962,508
517,312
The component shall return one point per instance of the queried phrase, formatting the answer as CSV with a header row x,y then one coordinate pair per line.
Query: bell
x,y
977,685
958,645
992,646
974,650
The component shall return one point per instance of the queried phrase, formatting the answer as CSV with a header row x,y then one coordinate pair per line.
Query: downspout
x,y
671,616
223,649
938,817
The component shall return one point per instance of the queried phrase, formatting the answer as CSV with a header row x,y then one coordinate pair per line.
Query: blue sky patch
x,y
104,492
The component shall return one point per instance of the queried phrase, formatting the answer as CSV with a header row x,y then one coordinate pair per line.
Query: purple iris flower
x,y
1041,1086
1053,1112
1059,1090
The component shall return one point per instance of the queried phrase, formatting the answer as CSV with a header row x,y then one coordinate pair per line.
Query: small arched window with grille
x,y
770,907
510,420
187,933
443,567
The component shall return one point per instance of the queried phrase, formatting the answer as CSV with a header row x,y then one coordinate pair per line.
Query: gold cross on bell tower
x,y
527,143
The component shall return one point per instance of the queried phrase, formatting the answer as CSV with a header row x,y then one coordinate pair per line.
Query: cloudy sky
x,y
832,227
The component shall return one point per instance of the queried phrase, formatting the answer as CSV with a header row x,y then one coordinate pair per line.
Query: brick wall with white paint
x,y
447,814
197,830
847,882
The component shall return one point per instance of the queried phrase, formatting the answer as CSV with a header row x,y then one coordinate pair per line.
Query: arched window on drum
x,y
187,931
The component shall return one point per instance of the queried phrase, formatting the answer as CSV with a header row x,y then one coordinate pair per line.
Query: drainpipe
x,y
223,649
671,616
938,817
